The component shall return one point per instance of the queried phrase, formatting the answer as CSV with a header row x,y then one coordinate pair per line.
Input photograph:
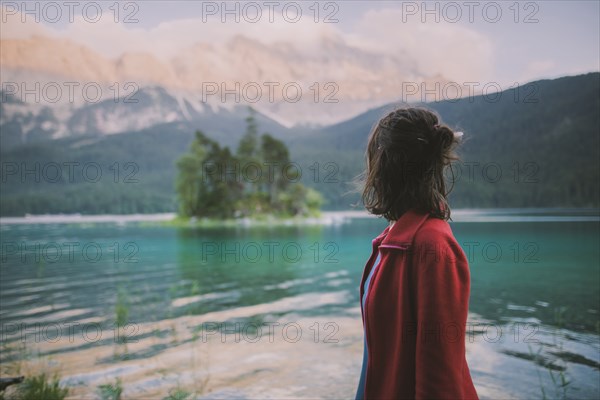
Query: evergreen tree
x,y
248,154
276,159
224,185
189,184
247,149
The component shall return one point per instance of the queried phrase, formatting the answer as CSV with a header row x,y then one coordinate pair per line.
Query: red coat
x,y
416,312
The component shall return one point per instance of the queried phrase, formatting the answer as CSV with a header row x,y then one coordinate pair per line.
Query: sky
x,y
550,39
507,42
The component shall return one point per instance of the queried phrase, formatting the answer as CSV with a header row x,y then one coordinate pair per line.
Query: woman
x,y
415,287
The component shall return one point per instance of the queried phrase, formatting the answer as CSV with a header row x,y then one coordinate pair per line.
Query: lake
x,y
272,311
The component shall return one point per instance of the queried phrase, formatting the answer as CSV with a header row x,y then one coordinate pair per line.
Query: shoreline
x,y
325,217
171,219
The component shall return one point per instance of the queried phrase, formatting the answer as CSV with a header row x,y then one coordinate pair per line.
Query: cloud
x,y
443,48
168,38
15,25
455,52
369,60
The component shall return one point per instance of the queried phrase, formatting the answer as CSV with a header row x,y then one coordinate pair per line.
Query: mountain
x,y
142,108
323,83
535,146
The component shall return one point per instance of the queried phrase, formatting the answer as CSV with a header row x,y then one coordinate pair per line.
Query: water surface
x,y
535,282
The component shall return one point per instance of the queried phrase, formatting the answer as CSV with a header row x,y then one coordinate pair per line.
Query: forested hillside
x,y
536,146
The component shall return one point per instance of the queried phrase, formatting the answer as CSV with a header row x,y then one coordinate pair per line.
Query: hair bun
x,y
443,137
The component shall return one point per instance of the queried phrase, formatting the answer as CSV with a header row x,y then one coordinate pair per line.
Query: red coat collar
x,y
400,236
403,231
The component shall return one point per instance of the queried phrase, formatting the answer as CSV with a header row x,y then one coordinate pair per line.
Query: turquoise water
x,y
541,277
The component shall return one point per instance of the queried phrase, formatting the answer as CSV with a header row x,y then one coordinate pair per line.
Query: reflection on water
x,y
534,303
534,270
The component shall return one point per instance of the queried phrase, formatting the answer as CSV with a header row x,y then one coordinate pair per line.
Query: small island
x,y
258,183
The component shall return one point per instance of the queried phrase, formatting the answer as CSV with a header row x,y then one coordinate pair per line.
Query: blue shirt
x,y
361,384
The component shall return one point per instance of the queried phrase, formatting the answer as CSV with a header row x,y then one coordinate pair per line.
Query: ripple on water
x,y
517,307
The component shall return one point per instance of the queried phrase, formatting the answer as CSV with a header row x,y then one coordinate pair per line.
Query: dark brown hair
x,y
407,155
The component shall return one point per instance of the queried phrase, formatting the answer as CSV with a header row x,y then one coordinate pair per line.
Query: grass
x,y
121,320
121,309
557,372
200,384
38,387
178,394
111,391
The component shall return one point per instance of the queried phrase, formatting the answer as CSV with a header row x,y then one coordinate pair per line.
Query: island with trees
x,y
258,181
